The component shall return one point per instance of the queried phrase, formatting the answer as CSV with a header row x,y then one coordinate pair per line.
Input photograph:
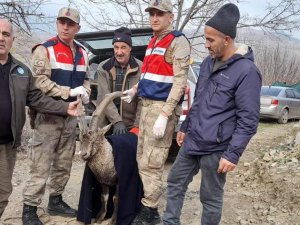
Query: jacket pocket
x,y
221,94
157,157
225,131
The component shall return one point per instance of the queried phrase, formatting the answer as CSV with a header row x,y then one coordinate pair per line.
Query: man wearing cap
x,y
59,69
119,73
16,91
223,118
162,85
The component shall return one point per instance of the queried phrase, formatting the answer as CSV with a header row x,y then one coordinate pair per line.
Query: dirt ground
x,y
264,189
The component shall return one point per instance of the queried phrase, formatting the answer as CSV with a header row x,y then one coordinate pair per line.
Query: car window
x,y
297,94
93,69
289,93
196,69
193,73
270,91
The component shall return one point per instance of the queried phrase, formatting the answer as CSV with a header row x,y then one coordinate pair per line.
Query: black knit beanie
x,y
225,19
122,34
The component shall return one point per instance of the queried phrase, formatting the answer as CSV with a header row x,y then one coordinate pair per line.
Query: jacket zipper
x,y
214,91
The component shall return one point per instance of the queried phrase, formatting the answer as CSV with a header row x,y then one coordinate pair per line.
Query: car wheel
x,y
284,116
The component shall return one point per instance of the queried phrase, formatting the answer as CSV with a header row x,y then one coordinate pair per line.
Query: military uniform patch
x,y
39,63
20,70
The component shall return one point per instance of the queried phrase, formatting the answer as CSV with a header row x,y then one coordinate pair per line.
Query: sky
x,y
250,7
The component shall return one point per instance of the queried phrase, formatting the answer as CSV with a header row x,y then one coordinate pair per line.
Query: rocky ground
x,y
264,189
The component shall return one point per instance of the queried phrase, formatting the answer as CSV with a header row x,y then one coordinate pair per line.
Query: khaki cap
x,y
69,13
162,5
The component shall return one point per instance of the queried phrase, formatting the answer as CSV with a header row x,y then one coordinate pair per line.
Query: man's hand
x,y
160,125
80,91
72,109
119,128
129,94
180,138
225,166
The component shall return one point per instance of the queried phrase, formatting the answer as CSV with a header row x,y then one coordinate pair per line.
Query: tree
x,y
22,13
281,15
278,62
190,16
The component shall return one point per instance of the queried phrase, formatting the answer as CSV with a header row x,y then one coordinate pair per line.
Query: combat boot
x,y
57,207
29,216
147,216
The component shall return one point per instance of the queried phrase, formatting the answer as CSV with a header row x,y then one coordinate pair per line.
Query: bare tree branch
x,y
20,12
282,15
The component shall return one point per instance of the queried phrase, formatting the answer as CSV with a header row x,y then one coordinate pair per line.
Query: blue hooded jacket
x,y
225,112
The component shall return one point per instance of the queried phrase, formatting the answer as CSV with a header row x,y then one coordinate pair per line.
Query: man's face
x,y
6,38
215,42
122,52
159,20
67,29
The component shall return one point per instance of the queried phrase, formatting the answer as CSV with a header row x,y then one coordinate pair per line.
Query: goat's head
x,y
92,141
92,137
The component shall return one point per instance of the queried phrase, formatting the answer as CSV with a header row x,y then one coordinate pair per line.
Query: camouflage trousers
x,y
50,151
152,153
7,164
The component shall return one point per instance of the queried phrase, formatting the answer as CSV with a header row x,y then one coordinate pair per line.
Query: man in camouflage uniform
x,y
16,91
60,70
162,85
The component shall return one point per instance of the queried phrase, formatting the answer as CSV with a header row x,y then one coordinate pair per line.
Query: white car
x,y
193,75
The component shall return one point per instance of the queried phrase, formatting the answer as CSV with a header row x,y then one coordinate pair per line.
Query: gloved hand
x,y
130,93
80,91
85,98
119,128
160,125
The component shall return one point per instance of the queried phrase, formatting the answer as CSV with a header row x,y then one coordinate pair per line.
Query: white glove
x,y
85,98
130,93
80,91
160,125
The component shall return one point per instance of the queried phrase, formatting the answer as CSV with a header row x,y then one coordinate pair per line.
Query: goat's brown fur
x,y
98,152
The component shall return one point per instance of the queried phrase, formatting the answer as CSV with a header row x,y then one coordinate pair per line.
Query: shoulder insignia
x,y
20,70
39,63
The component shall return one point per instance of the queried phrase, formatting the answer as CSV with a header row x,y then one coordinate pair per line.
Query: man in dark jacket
x,y
16,91
221,122
119,73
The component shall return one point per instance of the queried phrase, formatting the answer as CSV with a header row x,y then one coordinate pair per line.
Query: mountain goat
x,y
97,151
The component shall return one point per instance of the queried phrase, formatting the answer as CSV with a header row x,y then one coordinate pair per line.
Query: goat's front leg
x,y
104,200
113,219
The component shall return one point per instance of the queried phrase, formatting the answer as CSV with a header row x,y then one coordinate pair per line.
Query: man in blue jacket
x,y
221,122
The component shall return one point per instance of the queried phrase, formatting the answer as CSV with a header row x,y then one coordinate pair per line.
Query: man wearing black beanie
x,y
120,73
223,118
225,20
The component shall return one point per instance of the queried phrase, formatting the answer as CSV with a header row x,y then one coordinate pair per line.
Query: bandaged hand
x,y
129,94
160,125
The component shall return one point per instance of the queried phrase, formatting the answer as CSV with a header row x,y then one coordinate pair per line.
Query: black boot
x,y
147,216
29,216
57,207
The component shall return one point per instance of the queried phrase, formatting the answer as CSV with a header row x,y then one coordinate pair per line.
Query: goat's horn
x,y
99,111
